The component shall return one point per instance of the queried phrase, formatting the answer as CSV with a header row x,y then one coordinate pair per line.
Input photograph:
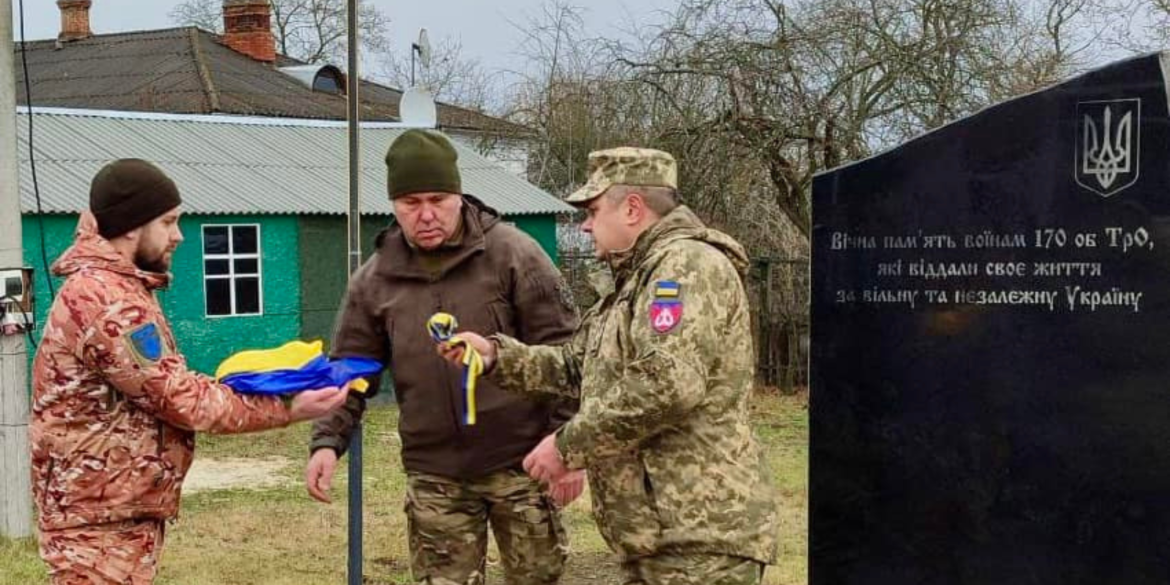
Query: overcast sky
x,y
487,29
481,25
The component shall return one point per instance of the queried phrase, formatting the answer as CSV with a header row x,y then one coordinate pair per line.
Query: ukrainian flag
x,y
293,367
666,289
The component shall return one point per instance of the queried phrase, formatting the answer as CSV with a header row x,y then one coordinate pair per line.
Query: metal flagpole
x,y
354,571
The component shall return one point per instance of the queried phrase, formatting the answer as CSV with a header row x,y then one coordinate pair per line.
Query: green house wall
x,y
542,228
325,269
205,341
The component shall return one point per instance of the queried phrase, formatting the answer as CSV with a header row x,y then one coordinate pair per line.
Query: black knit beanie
x,y
422,162
129,193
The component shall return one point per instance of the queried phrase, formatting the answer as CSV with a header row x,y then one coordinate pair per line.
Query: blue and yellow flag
x,y
293,367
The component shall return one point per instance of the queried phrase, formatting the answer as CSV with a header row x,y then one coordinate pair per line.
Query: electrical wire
x,y
32,159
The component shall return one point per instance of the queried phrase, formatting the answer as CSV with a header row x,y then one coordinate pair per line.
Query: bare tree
x,y
451,77
205,14
799,87
1156,33
757,96
566,95
310,30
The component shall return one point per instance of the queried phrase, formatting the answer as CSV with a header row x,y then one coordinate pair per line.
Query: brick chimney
x,y
247,28
74,20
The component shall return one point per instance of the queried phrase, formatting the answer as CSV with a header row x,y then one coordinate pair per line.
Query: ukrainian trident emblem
x,y
1108,148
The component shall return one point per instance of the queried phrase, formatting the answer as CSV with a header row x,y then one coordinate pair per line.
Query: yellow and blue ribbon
x,y
442,328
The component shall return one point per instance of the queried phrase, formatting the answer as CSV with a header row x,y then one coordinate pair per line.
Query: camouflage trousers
x,y
121,553
694,569
448,525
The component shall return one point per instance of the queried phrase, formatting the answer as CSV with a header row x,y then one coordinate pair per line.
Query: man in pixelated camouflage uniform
x,y
115,408
447,251
663,365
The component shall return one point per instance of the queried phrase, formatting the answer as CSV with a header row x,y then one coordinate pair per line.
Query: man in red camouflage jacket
x,y
115,408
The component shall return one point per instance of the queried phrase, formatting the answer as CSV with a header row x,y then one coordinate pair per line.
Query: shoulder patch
x,y
666,289
666,311
145,343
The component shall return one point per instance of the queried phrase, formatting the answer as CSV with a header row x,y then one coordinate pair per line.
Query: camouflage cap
x,y
626,165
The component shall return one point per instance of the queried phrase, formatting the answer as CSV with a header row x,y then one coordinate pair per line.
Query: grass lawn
x,y
278,536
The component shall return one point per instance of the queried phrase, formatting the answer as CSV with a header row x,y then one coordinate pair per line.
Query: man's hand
x,y
567,487
544,463
453,352
316,403
319,474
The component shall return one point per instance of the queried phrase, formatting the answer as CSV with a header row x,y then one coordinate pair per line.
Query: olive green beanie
x,y
422,162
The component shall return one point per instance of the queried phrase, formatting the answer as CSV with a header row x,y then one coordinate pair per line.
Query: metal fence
x,y
778,289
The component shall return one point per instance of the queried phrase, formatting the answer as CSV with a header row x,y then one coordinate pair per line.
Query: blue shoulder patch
x,y
146,343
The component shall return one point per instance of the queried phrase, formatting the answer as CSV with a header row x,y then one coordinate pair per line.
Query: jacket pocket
x,y
626,516
502,318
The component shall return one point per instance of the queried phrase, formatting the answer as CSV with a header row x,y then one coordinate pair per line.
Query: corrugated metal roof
x,y
228,164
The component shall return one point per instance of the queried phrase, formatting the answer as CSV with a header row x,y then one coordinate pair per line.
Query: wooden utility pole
x,y
15,484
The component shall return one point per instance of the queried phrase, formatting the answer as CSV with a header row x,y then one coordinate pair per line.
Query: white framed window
x,y
232,283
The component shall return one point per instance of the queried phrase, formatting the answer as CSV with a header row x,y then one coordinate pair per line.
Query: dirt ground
x,y
591,569
235,473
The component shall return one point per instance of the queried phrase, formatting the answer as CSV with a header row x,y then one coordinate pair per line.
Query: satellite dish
x,y
424,48
417,108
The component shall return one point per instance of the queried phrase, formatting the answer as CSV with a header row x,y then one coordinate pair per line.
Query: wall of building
x,y
208,340
325,268
543,228
205,341
511,154
58,230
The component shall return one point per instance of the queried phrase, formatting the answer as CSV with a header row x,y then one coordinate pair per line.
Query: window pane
x,y
326,83
215,240
247,296
219,300
213,267
247,266
244,239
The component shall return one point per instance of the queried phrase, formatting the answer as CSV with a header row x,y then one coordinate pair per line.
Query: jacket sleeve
x,y
545,314
359,333
667,375
130,351
539,369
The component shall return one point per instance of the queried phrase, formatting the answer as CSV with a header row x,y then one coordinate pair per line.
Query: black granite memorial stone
x,y
991,346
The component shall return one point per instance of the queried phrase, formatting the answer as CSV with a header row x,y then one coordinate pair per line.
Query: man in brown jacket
x,y
448,252
115,408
